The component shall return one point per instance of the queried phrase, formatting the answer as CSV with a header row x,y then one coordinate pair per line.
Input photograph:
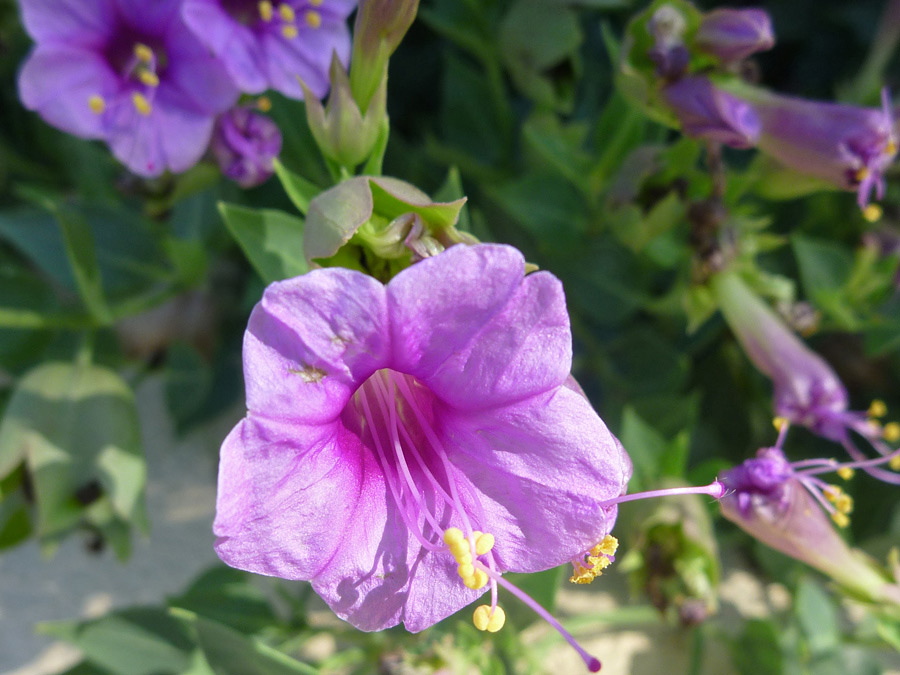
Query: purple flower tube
x,y
245,143
705,111
846,145
807,391
735,34
127,72
784,505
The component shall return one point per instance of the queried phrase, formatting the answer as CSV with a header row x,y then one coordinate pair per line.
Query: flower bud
x,y
667,26
379,224
735,34
707,112
245,144
342,131
380,26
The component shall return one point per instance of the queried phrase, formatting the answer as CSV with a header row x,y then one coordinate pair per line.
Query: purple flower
x,y
669,53
126,72
846,145
806,389
274,44
707,112
735,34
406,444
784,505
245,143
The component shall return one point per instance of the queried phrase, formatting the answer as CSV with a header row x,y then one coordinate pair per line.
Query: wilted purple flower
x,y
784,504
245,143
735,34
707,112
274,44
846,145
126,72
669,53
407,444
807,391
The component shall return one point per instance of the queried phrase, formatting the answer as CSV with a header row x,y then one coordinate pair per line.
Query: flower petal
x,y
305,57
311,341
87,23
236,45
540,470
151,18
483,335
58,82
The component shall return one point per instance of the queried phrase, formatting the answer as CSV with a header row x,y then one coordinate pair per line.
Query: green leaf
x,y
818,618
757,650
79,242
299,190
230,653
129,642
188,383
271,240
76,427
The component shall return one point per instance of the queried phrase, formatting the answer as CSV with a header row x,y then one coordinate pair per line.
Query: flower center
x,y
282,17
139,66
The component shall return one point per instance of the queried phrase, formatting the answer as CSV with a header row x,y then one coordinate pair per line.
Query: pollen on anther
x,y
287,13
845,472
141,104
149,78
97,104
465,570
872,213
861,173
878,408
487,620
266,12
484,543
315,3
143,53
891,432
264,104
477,581
289,31
840,519
313,18
779,423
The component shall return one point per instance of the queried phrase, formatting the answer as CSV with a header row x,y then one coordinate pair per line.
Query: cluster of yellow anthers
x,y
890,431
288,16
480,543
843,503
598,559
145,72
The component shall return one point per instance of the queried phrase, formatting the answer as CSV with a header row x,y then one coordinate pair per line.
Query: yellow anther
x,y
832,492
149,78
464,558
844,504
840,519
453,534
779,423
313,18
484,543
609,545
459,548
266,12
895,463
143,53
878,408
97,104
315,3
845,472
891,432
141,104
287,13
289,31
264,104
872,213
485,619
476,581
466,570
861,174
889,149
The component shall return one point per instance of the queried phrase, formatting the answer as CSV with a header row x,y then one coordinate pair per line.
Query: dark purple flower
x,y
707,112
784,505
274,44
735,34
807,391
127,72
245,143
846,145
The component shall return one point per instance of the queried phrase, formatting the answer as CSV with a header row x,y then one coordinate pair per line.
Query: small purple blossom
x,y
705,111
807,391
274,44
846,145
128,73
735,34
784,505
669,53
245,143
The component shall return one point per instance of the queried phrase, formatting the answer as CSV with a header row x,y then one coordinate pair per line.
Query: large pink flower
x,y
382,415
